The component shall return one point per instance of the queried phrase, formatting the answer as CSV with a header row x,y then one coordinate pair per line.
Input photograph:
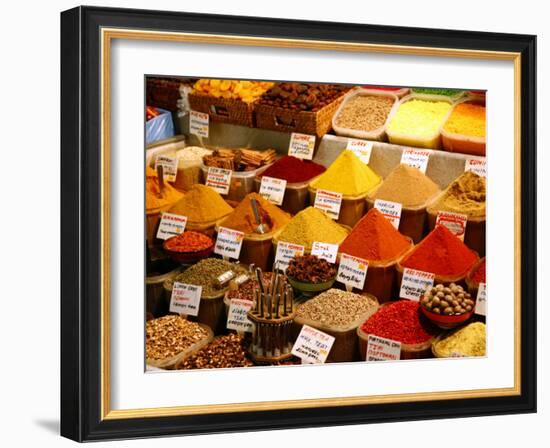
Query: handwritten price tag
x,y
229,243
481,300
391,210
301,146
237,318
361,148
352,271
198,124
286,252
273,189
415,283
185,299
171,225
455,222
417,158
382,349
219,179
325,250
329,202
169,165
312,346
478,166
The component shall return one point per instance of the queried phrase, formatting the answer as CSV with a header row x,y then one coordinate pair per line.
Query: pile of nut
x,y
310,269
450,300
170,335
365,112
306,97
338,308
222,352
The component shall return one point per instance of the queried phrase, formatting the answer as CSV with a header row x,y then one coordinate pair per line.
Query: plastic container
x,y
408,351
463,143
433,141
345,347
170,363
375,134
399,92
352,208
155,299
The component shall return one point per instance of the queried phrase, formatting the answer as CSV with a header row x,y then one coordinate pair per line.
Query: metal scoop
x,y
260,228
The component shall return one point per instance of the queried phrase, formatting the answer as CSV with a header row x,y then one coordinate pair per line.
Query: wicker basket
x,y
223,110
163,93
290,120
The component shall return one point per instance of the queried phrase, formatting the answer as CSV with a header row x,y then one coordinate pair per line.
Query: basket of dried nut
x,y
171,339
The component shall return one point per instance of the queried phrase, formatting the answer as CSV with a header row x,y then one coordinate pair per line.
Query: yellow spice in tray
x,y
468,341
467,119
419,118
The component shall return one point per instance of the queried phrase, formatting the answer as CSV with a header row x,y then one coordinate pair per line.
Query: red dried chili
x,y
400,321
479,274
294,170
189,241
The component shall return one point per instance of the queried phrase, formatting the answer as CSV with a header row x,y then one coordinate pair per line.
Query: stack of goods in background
x,y
349,217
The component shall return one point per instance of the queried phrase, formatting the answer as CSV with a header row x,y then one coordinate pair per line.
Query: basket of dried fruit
x,y
296,107
163,93
227,101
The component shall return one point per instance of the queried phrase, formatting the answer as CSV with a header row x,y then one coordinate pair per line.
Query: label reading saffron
x,y
301,146
229,243
325,250
171,225
198,124
477,165
312,346
382,349
415,283
361,148
481,300
219,179
391,211
273,189
285,253
329,202
169,165
417,158
185,299
237,318
455,222
352,271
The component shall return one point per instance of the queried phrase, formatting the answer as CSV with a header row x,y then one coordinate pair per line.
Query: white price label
x,y
169,165
329,202
415,283
286,252
361,148
391,211
198,124
417,158
478,166
301,146
171,225
273,189
352,271
382,349
219,179
185,299
325,250
312,346
237,318
455,222
481,300
229,243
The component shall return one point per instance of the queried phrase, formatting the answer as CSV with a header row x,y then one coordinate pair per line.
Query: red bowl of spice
x,y
189,247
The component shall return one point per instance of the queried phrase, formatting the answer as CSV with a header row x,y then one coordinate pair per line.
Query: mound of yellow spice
x,y
201,204
154,200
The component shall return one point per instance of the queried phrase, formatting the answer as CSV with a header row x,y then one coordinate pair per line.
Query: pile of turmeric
x,y
154,199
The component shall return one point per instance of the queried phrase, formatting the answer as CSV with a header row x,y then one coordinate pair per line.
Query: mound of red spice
x,y
479,274
400,321
294,170
441,253
189,241
374,238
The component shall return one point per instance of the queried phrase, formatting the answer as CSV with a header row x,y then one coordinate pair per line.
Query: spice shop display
x,y
417,121
310,274
351,178
189,247
403,322
465,129
258,227
466,196
413,190
376,240
364,113
339,314
170,339
469,340
447,306
297,173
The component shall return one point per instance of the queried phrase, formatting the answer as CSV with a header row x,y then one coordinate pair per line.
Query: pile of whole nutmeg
x,y
298,96
450,300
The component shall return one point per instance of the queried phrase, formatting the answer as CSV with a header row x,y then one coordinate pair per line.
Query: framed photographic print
x,y
276,224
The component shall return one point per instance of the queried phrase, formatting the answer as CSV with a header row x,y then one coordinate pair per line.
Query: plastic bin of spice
x,y
405,123
339,314
472,142
399,92
376,114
